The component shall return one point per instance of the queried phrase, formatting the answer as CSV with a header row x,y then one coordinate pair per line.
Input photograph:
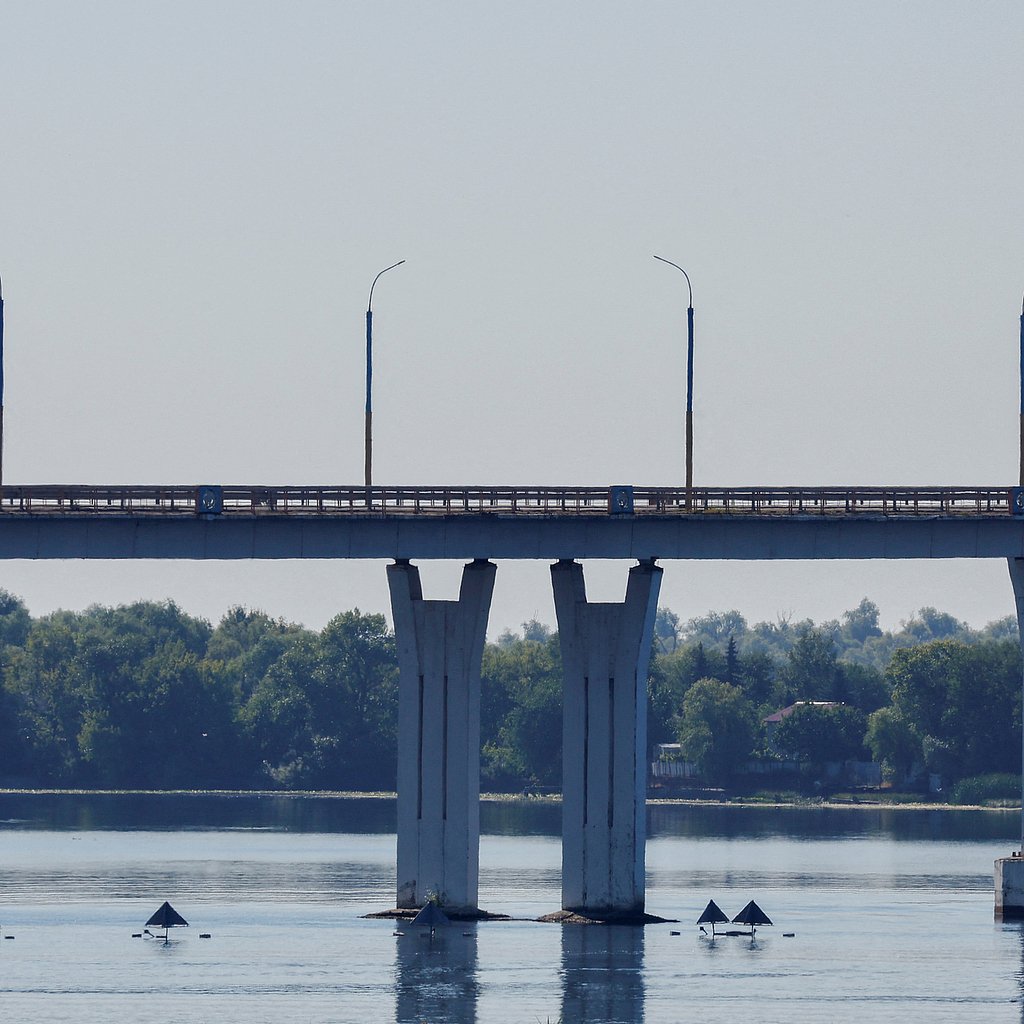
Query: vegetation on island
x,y
147,696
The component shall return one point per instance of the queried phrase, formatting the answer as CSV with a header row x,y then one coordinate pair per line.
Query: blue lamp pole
x,y
689,376
1,384
1021,392
368,430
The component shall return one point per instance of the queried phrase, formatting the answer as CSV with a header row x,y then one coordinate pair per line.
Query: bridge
x,y
605,646
619,522
886,502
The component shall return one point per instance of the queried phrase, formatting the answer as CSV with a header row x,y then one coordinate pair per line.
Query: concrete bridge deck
x,y
227,522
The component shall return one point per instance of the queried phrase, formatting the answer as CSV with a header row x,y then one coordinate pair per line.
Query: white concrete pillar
x,y
605,652
440,647
1009,871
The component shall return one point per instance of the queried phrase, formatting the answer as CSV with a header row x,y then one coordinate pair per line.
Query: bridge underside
x,y
526,537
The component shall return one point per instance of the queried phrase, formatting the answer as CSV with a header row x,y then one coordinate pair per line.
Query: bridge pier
x,y
605,653
1009,871
440,647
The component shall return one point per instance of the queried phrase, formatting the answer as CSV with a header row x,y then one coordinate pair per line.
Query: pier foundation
x,y
440,648
605,653
1009,871
1010,888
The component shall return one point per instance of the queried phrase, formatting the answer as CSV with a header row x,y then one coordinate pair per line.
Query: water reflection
x,y
1020,972
75,811
816,823
602,974
436,978
334,813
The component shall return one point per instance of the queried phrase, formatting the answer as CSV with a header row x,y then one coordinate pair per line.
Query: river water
x,y
890,914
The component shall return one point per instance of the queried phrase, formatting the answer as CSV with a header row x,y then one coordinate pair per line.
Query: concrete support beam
x,y
1009,871
605,653
440,647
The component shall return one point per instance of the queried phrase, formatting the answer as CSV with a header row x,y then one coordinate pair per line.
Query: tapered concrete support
x,y
605,652
1009,871
440,647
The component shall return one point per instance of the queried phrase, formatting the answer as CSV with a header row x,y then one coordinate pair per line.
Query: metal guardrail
x,y
909,502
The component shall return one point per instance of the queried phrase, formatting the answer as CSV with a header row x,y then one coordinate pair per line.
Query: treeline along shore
x,y
145,696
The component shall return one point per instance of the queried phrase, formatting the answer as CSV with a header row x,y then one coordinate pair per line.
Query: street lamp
x,y
689,377
1021,394
1,384
368,430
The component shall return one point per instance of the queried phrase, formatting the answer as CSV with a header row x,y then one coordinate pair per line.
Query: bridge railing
x,y
75,500
824,501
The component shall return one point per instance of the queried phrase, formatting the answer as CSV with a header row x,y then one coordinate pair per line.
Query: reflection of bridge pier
x,y
436,978
602,973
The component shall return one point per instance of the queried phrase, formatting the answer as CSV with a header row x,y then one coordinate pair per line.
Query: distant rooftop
x,y
777,716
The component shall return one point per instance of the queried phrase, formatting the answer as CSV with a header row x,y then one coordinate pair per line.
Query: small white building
x,y
668,763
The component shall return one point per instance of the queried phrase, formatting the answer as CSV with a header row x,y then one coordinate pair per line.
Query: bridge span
x,y
605,646
621,522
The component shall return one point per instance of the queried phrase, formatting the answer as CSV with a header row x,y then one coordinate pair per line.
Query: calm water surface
x,y
891,910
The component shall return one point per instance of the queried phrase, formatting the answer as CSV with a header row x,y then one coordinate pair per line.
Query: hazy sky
x,y
195,197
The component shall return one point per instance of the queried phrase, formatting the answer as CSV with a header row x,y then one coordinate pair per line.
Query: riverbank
x,y
867,802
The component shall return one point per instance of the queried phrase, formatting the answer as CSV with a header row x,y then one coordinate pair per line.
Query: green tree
x,y
48,698
15,621
860,623
732,662
323,715
667,631
963,703
815,734
668,679
521,714
1002,629
930,624
245,644
715,628
758,678
862,686
118,696
893,743
716,728
15,625
809,672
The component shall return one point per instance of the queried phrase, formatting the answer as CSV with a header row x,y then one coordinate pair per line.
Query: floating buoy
x,y
788,935
673,933
136,935
204,935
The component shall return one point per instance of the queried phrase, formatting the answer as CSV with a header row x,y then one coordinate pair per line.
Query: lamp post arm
x,y
681,271
689,377
369,301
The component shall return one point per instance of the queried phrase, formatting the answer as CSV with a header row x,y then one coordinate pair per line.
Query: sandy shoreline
x,y
321,794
